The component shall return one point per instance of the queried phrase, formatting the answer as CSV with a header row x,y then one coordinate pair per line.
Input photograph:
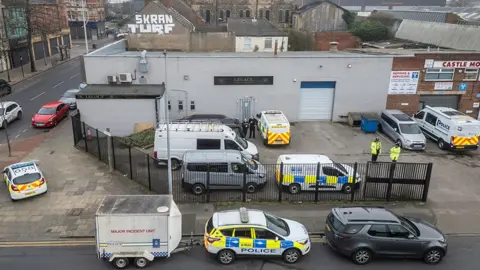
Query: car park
x,y
226,169
301,172
5,88
50,114
274,127
402,129
24,180
247,232
69,98
362,233
9,112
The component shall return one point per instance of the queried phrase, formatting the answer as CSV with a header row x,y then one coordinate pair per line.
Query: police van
x,y
274,127
450,128
248,232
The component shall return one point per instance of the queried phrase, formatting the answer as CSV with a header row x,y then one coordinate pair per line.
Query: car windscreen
x,y
46,111
69,94
277,224
251,164
240,141
410,129
408,224
340,167
26,178
336,224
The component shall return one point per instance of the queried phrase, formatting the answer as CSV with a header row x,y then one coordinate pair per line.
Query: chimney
x,y
275,52
333,46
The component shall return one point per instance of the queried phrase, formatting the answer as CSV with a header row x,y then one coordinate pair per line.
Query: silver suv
x,y
364,232
402,129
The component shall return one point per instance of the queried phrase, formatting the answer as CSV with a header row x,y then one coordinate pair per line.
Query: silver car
x,y
402,129
70,99
221,169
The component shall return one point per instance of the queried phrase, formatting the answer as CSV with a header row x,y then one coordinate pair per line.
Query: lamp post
x,y
4,121
21,64
85,21
167,121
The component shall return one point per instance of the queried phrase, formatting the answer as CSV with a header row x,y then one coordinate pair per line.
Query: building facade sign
x,y
456,64
243,80
443,86
403,82
153,23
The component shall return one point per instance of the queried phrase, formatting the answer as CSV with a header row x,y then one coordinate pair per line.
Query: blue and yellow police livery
x,y
247,232
24,180
300,174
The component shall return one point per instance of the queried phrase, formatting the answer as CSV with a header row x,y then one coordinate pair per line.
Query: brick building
x,y
94,9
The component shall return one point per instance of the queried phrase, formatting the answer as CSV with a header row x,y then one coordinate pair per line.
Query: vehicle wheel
x,y
347,188
19,115
265,142
13,200
226,256
380,129
120,263
441,144
362,256
294,188
433,256
399,143
251,187
140,262
198,189
291,255
176,164
55,123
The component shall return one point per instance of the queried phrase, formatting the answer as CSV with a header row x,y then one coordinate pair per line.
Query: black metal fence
x,y
204,183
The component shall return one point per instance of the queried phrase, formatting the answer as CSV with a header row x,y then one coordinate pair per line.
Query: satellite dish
x,y
162,209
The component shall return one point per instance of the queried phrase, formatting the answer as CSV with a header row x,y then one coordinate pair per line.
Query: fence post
x,y
280,182
390,180
85,136
110,154
316,182
208,183
130,161
74,131
98,145
366,179
113,152
354,182
426,186
244,199
147,156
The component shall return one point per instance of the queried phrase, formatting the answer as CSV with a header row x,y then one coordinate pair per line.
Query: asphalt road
x,y
463,254
32,93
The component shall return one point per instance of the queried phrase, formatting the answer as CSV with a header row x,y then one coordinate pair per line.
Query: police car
x,y
248,232
24,180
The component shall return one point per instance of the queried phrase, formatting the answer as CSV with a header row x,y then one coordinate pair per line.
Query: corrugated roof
x,y
253,28
344,3
424,16
465,13
185,10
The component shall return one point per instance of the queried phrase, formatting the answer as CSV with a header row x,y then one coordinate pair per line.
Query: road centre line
x,y
74,75
58,84
18,135
24,130
37,96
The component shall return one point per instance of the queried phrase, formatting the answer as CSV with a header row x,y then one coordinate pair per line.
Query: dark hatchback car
x,y
232,123
362,233
5,88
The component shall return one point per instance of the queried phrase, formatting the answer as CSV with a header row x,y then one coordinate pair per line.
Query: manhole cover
x,y
75,212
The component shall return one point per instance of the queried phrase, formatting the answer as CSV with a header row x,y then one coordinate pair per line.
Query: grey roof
x,y
134,204
466,13
313,4
345,3
121,91
424,16
246,27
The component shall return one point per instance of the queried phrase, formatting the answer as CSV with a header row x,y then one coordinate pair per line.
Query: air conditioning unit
x,y
112,79
125,77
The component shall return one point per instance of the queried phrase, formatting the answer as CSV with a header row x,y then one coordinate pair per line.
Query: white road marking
x,y
58,84
37,96
74,75
24,130
386,138
17,136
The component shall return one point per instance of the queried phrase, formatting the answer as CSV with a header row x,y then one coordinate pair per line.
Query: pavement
x,y
463,253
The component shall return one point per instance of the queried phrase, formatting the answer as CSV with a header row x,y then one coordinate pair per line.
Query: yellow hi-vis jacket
x,y
395,153
376,148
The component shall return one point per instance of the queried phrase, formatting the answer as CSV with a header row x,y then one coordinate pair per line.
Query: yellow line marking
x,y
48,243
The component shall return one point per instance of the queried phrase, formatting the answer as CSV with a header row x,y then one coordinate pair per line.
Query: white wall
x,y
260,42
120,115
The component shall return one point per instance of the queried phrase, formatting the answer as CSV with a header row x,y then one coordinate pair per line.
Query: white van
x,y
450,128
274,127
198,136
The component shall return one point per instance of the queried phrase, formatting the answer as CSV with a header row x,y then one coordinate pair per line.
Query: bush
x,y
369,30
142,139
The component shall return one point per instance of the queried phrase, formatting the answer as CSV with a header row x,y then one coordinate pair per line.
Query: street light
x,y
21,64
4,125
85,20
167,120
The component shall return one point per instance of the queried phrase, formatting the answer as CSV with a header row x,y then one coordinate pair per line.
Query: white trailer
x,y
137,228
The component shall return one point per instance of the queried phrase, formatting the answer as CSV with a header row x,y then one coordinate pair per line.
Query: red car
x,y
50,114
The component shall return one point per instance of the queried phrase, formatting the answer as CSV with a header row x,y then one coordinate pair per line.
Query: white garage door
x,y
316,100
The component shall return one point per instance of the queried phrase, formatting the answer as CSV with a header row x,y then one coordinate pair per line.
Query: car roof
x,y
304,159
360,214
22,168
399,115
212,156
73,90
52,104
232,217
8,103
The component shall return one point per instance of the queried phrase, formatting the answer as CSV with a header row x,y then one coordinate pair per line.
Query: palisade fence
x,y
376,181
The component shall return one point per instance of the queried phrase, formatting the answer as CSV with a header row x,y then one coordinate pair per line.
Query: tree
x,y
349,18
299,41
369,30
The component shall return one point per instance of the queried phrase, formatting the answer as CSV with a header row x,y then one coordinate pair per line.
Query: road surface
x,y
463,254
32,93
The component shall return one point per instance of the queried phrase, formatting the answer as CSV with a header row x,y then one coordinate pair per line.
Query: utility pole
x,y
5,124
85,21
167,121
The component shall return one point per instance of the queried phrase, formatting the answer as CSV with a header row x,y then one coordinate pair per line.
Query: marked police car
x,y
248,232
24,180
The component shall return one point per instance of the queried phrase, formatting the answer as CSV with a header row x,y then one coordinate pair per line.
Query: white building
x,y
257,35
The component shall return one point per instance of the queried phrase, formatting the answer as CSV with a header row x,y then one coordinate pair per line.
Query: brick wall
x,y
345,40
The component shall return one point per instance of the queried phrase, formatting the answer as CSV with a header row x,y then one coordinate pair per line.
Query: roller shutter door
x,y
54,45
316,100
450,101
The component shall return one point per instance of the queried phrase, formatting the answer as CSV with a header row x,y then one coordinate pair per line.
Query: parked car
x,y
232,123
9,112
69,98
5,88
364,232
402,129
50,114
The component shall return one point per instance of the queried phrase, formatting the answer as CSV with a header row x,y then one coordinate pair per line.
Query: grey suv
x,y
364,232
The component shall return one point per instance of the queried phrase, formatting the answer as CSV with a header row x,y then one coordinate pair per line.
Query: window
x,y
26,178
240,13
11,108
180,105
277,224
267,15
439,74
398,231
207,16
219,167
210,225
410,129
329,171
222,13
287,16
281,16
194,167
247,13
419,115
260,13
231,145
169,105
46,111
471,74
208,144
192,105
227,13
243,233
268,43
378,231
431,119
264,234
239,168
247,44
227,232
60,107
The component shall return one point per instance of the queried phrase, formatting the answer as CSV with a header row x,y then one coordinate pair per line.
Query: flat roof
x,y
122,91
405,52
135,204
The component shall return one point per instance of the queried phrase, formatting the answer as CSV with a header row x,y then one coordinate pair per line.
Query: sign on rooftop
x,y
152,23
